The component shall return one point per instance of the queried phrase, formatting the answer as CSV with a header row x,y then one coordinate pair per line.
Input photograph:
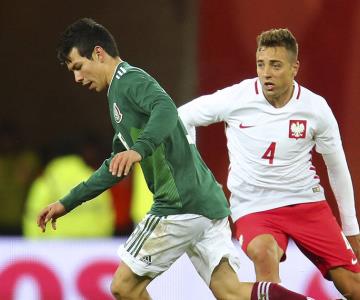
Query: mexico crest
x,y
297,129
117,113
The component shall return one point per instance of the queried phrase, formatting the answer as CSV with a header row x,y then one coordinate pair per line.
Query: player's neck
x,y
111,67
281,100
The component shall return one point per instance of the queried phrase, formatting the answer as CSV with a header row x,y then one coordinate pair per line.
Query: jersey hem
x,y
173,211
239,212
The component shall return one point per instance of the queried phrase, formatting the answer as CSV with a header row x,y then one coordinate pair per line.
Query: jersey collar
x,y
112,78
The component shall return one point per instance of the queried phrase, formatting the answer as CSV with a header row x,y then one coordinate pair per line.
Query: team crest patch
x,y
297,129
117,113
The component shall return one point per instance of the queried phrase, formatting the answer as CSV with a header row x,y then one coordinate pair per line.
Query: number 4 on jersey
x,y
270,153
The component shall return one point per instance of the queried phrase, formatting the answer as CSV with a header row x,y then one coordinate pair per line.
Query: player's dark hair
x,y
278,38
85,34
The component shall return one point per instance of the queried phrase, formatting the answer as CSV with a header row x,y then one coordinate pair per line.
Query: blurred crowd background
x,y
53,133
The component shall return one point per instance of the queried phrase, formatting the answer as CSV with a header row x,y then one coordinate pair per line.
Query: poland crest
x,y
117,113
297,129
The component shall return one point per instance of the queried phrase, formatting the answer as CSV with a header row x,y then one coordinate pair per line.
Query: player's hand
x,y
51,212
354,241
123,161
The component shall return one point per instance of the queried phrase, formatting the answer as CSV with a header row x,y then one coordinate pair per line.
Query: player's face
x,y
276,69
88,72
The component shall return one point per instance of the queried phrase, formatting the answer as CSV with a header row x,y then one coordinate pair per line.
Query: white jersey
x,y
269,148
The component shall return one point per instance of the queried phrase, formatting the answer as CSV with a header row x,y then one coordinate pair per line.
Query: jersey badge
x,y
316,189
297,129
117,113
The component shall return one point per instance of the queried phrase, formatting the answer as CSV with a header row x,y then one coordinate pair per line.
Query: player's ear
x,y
296,66
98,53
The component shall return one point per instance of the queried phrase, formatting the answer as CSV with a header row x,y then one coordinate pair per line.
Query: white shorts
x,y
157,242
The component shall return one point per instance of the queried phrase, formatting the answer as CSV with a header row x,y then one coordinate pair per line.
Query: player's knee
x,y
352,293
352,290
120,289
224,291
262,251
349,285
117,289
224,282
127,286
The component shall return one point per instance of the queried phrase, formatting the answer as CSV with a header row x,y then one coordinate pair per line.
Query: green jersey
x,y
145,119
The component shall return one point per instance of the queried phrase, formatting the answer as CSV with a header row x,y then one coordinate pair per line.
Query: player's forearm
x,y
341,184
98,182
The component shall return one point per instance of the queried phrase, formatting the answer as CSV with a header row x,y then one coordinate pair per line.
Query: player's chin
x,y
269,93
99,89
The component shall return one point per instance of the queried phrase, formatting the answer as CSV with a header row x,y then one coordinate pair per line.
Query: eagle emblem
x,y
297,129
117,113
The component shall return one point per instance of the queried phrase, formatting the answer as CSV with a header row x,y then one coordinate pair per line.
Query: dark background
x,y
190,47
40,96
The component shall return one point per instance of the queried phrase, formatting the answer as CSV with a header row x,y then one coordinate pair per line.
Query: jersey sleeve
x,y
97,183
327,135
152,100
341,185
207,109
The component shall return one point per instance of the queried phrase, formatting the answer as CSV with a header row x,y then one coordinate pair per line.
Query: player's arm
x,y
341,185
206,110
98,182
148,96
328,143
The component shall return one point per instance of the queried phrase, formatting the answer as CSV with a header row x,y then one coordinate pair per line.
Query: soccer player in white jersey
x,y
272,126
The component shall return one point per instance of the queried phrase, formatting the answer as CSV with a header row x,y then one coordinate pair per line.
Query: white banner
x,y
82,269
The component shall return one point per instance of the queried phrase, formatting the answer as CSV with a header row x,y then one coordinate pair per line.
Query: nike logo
x,y
354,261
245,126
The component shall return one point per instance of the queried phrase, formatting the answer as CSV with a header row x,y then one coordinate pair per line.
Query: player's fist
x,y
51,212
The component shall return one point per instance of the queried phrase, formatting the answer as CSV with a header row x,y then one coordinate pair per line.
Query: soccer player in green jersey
x,y
190,211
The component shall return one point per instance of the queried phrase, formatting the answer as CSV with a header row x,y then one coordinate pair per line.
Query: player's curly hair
x,y
278,38
85,34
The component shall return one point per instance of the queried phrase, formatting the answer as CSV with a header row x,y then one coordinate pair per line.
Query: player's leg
x,y
326,246
263,243
128,285
216,260
225,283
274,291
347,282
266,254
